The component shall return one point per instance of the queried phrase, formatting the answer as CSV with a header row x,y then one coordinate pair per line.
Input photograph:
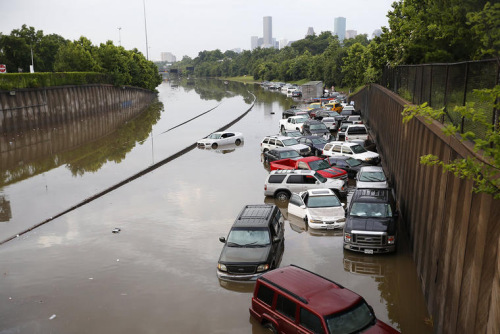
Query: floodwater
x,y
158,274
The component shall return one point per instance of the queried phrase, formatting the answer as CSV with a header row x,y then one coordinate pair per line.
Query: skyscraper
x,y
339,27
268,32
254,42
310,31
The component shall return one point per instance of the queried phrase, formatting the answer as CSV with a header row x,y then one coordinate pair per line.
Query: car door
x,y
296,183
296,206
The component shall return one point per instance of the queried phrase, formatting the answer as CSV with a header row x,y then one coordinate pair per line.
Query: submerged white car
x,y
371,177
217,139
320,208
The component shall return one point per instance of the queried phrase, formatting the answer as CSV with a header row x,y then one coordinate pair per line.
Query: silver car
x,y
371,177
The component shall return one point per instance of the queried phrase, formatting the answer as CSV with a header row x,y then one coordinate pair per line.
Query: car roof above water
x,y
319,293
256,215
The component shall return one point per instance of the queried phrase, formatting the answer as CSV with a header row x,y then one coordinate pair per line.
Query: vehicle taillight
x,y
265,186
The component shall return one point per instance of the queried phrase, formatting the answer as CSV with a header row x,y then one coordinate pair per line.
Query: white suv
x,y
349,149
282,183
272,142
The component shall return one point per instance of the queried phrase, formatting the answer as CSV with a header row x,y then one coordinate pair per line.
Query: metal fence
x,y
447,85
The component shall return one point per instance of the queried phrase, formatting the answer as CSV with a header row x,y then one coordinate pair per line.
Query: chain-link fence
x,y
447,85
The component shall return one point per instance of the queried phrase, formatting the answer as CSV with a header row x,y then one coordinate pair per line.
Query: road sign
x,y
3,68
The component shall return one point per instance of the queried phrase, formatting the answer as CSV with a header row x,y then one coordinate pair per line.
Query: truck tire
x,y
270,327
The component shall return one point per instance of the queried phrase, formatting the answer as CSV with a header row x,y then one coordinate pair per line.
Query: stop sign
x,y
3,68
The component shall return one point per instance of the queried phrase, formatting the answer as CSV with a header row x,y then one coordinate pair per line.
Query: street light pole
x,y
32,68
120,36
146,30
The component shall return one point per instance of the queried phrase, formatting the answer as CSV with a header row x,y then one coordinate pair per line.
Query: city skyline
x,y
217,24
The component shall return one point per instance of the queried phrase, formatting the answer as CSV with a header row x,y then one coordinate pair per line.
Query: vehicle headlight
x,y
340,220
347,237
262,267
222,267
315,220
391,240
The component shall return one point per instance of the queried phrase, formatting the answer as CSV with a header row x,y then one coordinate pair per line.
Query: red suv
x,y
295,300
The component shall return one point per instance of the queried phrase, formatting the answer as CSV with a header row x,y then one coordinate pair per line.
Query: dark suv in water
x,y
372,222
254,245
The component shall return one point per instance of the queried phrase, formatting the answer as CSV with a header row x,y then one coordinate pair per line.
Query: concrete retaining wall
x,y
26,109
454,233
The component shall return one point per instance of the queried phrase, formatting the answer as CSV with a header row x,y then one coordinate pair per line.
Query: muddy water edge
x,y
158,273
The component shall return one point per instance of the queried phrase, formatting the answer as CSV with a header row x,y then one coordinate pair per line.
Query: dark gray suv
x,y
254,245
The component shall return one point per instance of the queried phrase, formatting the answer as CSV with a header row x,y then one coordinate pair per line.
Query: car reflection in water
x,y
223,149
374,266
237,286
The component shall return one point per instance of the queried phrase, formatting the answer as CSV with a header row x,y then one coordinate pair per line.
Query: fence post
x,y
465,94
445,99
430,86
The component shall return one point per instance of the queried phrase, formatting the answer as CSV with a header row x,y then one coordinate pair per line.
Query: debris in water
x,y
116,230
52,317
117,260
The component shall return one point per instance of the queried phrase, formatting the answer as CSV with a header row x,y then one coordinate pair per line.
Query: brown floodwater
x,y
158,274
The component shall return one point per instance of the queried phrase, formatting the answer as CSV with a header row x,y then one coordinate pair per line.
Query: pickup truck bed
x,y
309,163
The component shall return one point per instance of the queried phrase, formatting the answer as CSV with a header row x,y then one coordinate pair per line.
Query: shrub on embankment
x,y
10,81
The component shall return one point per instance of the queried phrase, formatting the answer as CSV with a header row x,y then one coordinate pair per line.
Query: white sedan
x,y
320,208
217,139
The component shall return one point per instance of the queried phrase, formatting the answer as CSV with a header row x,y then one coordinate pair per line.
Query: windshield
x,y
318,141
290,142
353,162
239,237
323,201
318,126
358,149
214,136
372,177
374,210
352,321
300,119
319,164
289,154
321,178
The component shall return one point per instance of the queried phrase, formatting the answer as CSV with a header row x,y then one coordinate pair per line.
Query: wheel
x,y
238,142
269,326
214,145
282,128
282,196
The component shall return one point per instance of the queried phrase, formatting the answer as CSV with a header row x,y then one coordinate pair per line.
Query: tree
x,y
355,65
72,57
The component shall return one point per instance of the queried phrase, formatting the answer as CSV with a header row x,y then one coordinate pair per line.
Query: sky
x,y
186,27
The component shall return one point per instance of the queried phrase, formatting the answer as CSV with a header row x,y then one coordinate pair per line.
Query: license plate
x,y
368,251
330,227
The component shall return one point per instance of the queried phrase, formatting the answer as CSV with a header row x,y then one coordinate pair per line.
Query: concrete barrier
x,y
31,108
454,233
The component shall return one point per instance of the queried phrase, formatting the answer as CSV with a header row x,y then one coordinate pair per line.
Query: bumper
x,y
232,277
326,226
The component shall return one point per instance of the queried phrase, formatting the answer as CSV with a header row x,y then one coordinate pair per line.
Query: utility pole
x,y
146,30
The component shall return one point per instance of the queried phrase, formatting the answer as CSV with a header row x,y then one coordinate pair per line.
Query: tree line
x,y
419,32
53,53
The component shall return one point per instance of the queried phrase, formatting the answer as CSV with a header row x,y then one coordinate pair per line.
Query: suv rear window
x,y
276,178
265,294
361,130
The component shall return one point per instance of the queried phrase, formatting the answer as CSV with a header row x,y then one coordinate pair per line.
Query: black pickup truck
x,y
371,222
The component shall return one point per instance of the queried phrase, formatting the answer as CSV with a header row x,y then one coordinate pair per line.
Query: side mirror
x,y
276,239
343,205
317,182
222,239
302,206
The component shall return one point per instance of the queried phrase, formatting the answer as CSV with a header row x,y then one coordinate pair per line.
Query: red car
x,y
312,163
296,300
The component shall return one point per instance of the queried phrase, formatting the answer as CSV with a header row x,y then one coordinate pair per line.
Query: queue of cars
x,y
309,175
